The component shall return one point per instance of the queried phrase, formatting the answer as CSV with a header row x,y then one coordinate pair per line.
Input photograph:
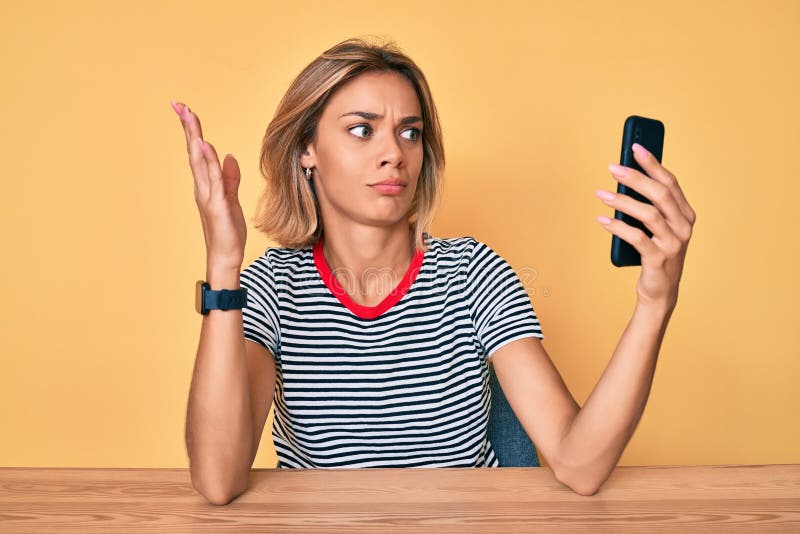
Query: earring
x,y
308,173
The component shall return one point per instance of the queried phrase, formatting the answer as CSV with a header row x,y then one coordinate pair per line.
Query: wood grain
x,y
721,498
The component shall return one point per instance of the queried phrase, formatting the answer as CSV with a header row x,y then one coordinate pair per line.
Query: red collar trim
x,y
366,312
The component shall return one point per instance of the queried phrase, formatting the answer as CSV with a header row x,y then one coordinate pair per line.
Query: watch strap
x,y
225,299
207,299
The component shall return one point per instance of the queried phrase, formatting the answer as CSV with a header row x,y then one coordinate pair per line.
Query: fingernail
x,y
605,195
618,169
603,220
175,107
639,148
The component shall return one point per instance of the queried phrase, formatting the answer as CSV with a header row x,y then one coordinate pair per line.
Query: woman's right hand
x,y
216,193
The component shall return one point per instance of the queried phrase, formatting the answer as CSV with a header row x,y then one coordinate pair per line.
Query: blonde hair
x,y
288,210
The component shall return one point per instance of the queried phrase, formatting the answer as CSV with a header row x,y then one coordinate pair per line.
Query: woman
x,y
373,336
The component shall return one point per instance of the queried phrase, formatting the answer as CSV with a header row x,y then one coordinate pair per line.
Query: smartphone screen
x,y
650,134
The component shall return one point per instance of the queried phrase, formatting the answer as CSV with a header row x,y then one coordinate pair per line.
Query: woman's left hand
x,y
669,218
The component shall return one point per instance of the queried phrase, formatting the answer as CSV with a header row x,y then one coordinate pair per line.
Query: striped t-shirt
x,y
401,384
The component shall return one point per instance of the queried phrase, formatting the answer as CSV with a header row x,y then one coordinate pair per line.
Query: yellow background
x,y
102,241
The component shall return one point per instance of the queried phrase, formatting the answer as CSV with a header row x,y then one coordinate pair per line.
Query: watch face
x,y
198,295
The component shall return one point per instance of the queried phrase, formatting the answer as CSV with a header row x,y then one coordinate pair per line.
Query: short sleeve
x,y
260,316
500,308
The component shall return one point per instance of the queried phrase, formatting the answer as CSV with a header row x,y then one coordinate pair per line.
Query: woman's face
x,y
370,131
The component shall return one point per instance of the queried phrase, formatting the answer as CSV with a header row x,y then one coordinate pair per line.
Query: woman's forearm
x,y
605,424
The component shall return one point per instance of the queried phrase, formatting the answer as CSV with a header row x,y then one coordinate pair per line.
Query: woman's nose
x,y
391,151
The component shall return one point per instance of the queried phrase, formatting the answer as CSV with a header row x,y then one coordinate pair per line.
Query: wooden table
x,y
722,498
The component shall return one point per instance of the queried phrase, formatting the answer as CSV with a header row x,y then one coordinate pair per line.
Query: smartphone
x,y
650,134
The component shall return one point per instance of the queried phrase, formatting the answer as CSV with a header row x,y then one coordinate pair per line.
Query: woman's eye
x,y
359,126
416,132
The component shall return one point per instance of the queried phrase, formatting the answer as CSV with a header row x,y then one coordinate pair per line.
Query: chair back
x,y
511,443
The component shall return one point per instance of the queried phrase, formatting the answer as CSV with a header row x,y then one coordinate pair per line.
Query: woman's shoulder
x,y
451,256
277,258
282,255
466,253
463,246
450,244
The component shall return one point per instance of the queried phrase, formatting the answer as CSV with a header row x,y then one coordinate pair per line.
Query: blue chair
x,y
511,443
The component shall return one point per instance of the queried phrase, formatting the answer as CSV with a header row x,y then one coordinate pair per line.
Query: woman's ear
x,y
308,157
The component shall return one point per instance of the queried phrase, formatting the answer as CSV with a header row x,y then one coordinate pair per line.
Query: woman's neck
x,y
369,262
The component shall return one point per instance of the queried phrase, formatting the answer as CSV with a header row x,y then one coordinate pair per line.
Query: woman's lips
x,y
388,189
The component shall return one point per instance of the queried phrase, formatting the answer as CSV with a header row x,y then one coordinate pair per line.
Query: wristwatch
x,y
206,299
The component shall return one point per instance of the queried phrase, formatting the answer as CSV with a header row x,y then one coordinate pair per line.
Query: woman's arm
x,y
601,430
582,445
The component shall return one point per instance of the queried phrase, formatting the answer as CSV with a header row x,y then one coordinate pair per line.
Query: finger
x,y
197,161
657,193
199,166
634,236
216,187
231,175
658,172
180,109
193,123
190,123
663,236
